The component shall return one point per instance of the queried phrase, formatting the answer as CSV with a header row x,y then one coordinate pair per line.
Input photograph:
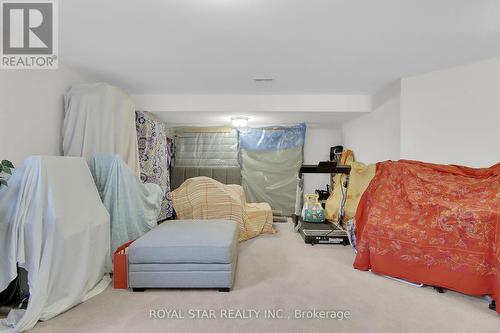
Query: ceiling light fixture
x,y
239,121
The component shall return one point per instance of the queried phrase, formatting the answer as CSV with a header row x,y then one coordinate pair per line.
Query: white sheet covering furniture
x,y
100,119
53,224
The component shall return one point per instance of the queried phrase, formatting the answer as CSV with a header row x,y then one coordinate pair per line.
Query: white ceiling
x,y
308,46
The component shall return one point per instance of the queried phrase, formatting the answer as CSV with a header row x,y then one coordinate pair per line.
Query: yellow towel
x,y
359,178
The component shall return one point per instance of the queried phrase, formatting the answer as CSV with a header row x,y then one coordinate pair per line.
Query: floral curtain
x,y
155,154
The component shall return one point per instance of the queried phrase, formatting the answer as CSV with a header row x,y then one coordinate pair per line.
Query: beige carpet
x,y
281,272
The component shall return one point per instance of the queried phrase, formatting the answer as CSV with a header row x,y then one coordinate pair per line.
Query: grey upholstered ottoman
x,y
185,254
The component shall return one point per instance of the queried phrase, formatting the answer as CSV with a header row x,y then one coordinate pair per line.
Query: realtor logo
x,y
29,34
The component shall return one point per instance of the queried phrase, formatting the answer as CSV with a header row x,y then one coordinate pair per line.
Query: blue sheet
x,y
132,205
272,138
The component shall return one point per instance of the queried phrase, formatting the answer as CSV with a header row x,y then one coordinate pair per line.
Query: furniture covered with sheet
x,y
54,225
185,254
433,224
100,119
133,206
205,198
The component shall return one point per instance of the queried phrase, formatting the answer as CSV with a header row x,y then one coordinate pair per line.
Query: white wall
x,y
453,116
31,111
317,148
375,136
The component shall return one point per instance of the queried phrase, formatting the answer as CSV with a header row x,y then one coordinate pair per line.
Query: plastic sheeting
x,y
270,161
54,225
206,147
133,206
155,152
100,119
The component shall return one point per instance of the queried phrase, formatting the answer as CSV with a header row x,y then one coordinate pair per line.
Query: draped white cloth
x,y
100,119
54,225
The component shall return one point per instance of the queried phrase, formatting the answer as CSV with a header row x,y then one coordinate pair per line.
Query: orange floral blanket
x,y
433,224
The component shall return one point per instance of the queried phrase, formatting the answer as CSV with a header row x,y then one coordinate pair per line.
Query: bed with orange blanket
x,y
433,224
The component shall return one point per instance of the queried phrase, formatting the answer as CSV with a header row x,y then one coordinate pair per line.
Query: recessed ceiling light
x,y
239,121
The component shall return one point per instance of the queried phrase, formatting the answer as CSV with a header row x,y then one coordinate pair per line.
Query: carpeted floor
x,y
281,272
